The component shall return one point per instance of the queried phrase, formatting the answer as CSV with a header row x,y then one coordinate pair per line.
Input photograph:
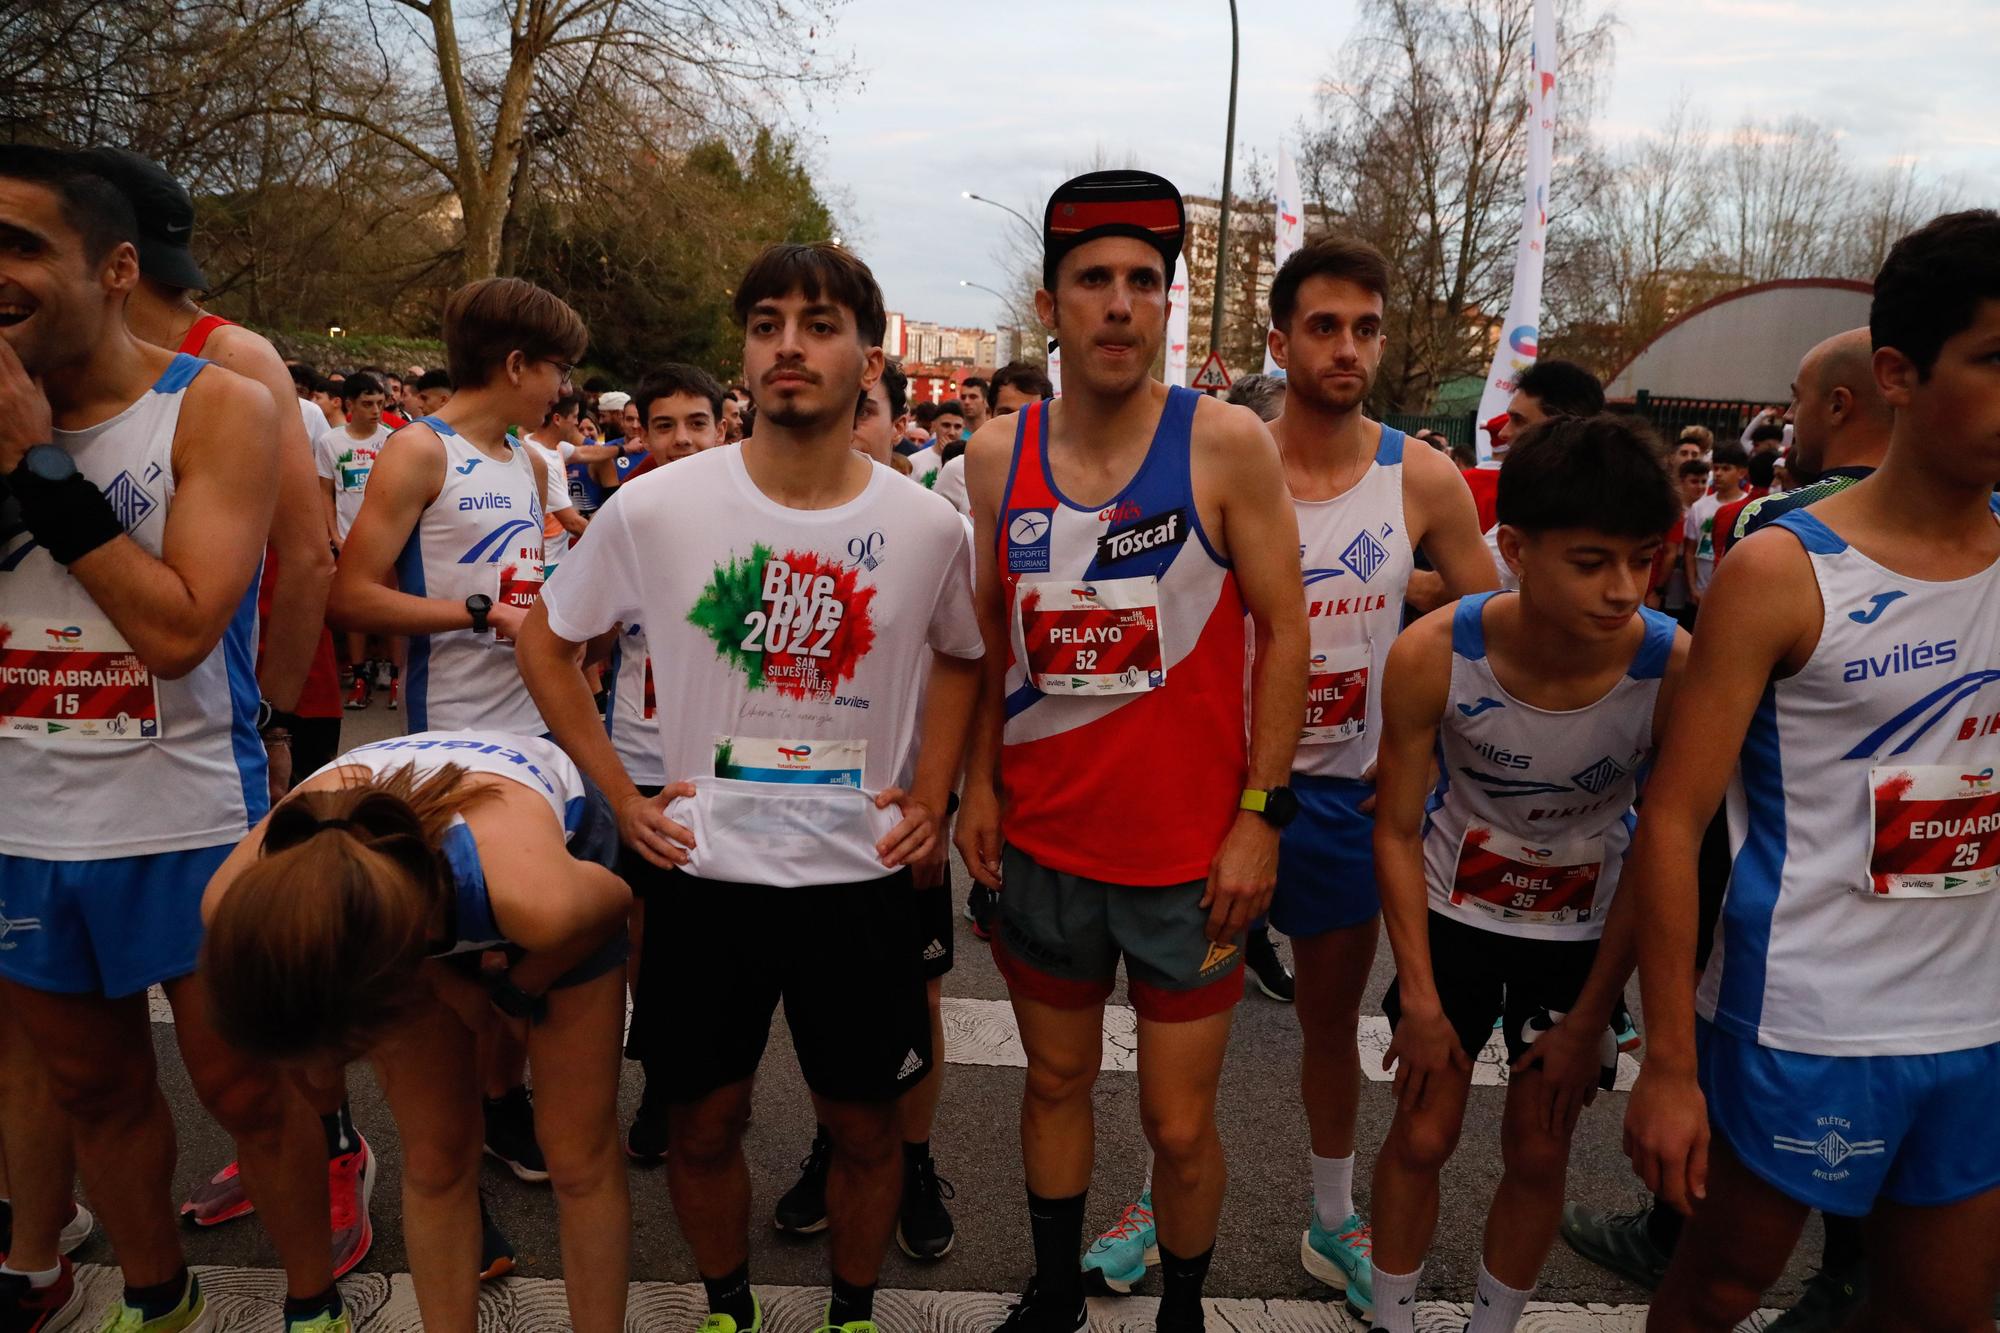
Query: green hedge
x,y
325,353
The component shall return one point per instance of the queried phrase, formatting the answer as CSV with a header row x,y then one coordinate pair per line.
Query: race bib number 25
x,y
1937,831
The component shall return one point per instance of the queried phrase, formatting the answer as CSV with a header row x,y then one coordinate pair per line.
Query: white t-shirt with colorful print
x,y
800,643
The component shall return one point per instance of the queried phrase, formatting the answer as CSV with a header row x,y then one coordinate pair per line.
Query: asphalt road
x,y
976,1146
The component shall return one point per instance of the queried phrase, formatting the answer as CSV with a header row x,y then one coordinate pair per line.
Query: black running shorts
x,y
718,957
1482,975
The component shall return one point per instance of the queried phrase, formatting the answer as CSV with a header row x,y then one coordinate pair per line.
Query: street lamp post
x,y
1015,213
982,287
1222,230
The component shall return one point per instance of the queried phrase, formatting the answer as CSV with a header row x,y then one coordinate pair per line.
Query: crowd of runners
x,y
741,665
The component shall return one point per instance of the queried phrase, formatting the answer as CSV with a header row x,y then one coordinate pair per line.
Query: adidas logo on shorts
x,y
912,1064
933,951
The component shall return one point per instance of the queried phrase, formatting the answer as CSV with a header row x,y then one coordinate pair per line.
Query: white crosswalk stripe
x,y
247,1300
1489,1070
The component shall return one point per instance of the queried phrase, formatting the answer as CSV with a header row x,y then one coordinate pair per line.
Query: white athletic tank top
x,y
1356,552
535,763
1864,822
1532,814
483,534
352,460
631,713
107,759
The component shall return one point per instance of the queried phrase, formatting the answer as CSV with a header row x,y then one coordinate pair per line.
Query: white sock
x,y
1148,1186
1496,1308
1396,1301
1333,1189
46,1278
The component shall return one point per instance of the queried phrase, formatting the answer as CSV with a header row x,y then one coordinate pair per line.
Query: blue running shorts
x,y
1837,1132
110,928
1326,859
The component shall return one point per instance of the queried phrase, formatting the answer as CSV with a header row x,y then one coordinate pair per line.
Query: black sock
x,y
1663,1225
850,1303
1843,1250
914,1153
305,1307
158,1302
1057,1228
341,1138
1180,1295
730,1295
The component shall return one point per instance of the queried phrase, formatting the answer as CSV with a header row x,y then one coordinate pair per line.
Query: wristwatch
x,y
48,462
1276,805
514,1002
478,605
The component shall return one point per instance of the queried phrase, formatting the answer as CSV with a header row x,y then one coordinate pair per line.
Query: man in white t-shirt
x,y
344,456
803,595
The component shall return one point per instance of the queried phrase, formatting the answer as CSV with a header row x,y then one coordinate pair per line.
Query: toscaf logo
x,y
1158,533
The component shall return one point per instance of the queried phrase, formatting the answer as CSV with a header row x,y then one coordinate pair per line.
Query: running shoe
x,y
1036,1313
646,1140
77,1230
321,1323
190,1313
218,1199
923,1226
24,1308
1621,1242
722,1323
350,1184
358,697
1626,1029
496,1252
510,1135
802,1211
1341,1258
1267,969
1829,1302
395,687
980,905
1117,1260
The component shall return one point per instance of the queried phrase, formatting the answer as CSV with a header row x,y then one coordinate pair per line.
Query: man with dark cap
x,y
1124,530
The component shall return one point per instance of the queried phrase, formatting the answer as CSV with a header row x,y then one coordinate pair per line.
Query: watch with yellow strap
x,y
1277,806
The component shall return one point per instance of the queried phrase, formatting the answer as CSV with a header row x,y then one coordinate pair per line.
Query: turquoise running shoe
x,y
1117,1260
1341,1257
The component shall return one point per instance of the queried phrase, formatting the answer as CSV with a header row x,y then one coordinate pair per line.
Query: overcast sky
x,y
1002,98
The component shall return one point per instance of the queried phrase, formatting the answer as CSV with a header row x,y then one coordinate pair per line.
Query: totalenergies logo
x,y
64,637
795,754
1982,780
1538,853
1319,660
1522,338
1085,591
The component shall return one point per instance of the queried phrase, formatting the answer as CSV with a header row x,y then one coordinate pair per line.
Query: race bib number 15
x,y
82,682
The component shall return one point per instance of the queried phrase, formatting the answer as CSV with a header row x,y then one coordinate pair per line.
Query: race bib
x,y
517,585
1937,832
1518,879
353,471
82,682
819,763
1336,697
1099,637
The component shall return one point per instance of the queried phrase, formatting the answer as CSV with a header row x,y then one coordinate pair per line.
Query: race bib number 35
x,y
1937,832
1516,879
1336,698
83,682
1099,637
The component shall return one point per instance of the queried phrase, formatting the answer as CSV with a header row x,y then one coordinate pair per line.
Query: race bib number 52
x,y
1100,637
1937,831
82,682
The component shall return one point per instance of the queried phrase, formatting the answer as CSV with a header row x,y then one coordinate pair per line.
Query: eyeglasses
x,y
567,368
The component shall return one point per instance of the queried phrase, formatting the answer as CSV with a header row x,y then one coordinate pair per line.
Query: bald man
x,y
1840,428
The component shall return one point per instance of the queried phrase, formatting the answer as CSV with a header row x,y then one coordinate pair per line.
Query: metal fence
x,y
1727,417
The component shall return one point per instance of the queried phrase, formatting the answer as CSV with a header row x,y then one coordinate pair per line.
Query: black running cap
x,y
165,213
1113,203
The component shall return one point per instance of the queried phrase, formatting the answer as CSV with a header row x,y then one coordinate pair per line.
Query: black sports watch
x,y
48,462
478,605
514,1002
1277,806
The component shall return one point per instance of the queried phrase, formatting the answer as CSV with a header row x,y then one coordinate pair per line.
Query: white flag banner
x,y
1177,325
1290,213
1521,333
